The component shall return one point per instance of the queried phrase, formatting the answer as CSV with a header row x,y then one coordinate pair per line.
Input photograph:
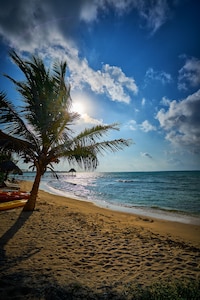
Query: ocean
x,y
171,195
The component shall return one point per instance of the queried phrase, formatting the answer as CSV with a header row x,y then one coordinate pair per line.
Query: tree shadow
x,y
21,285
8,235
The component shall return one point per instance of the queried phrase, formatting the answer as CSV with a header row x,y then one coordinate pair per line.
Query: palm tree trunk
x,y
30,204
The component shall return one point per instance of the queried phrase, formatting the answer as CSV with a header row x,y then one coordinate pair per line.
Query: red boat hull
x,y
10,196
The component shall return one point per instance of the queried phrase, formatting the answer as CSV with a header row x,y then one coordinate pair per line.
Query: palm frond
x,y
96,132
8,142
110,146
86,154
14,124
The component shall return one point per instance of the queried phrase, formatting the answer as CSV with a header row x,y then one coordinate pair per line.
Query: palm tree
x,y
40,131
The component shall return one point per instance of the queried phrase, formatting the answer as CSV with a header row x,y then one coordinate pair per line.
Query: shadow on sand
x,y
23,217
8,235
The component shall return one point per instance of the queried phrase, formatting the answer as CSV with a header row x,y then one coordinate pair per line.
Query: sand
x,y
71,246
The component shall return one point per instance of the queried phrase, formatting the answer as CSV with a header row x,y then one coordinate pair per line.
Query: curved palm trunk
x,y
30,204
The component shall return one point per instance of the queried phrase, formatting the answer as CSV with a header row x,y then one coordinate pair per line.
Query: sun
x,y
78,107
82,103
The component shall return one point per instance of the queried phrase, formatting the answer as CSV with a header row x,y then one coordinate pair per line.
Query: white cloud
x,y
181,122
145,154
89,11
110,80
21,19
165,101
161,76
28,22
132,125
89,120
143,101
155,13
146,126
189,74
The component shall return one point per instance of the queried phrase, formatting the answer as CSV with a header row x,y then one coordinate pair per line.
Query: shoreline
x,y
169,226
157,213
67,246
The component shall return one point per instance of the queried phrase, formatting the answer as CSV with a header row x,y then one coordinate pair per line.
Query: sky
x,y
134,62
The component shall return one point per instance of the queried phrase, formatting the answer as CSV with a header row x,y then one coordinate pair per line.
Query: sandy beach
x,y
69,247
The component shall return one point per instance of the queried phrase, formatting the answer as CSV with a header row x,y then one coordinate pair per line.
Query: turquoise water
x,y
152,192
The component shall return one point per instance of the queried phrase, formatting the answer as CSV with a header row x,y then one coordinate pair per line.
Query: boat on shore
x,y
6,196
12,204
12,184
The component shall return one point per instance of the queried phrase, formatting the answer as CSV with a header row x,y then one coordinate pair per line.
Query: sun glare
x,y
78,107
82,103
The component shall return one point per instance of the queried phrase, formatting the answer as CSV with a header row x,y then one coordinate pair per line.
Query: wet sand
x,y
66,244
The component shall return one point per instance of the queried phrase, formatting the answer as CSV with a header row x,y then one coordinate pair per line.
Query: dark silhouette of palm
x,y
40,131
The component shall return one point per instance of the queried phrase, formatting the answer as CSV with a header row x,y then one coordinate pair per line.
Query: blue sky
x,y
135,62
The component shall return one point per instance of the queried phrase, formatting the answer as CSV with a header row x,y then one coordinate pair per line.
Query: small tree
x,y
40,130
